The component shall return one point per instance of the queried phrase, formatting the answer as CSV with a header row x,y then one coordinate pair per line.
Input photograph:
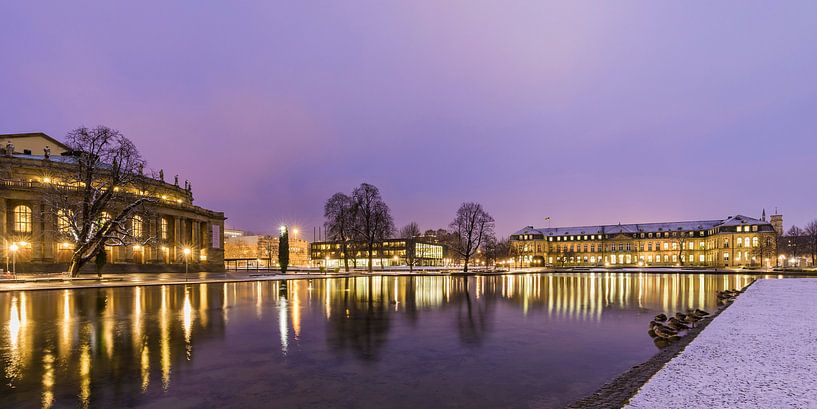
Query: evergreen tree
x,y
283,249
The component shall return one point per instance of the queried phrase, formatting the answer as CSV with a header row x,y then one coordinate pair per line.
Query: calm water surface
x,y
538,340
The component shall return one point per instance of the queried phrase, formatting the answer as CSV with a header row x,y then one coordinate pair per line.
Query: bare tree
x,y
96,199
794,242
811,233
340,213
495,250
765,248
410,231
680,245
471,228
373,221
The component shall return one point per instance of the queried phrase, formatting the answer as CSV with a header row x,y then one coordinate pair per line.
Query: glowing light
x,y
46,179
186,251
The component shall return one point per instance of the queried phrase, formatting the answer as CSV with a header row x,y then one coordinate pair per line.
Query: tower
x,y
777,222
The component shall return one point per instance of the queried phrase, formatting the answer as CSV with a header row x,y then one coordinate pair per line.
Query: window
x,y
22,219
64,220
137,223
754,228
740,229
701,258
740,242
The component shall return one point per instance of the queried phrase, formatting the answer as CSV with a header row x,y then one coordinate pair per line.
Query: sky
x,y
584,112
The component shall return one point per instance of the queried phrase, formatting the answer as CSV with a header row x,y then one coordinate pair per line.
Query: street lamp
x,y
186,252
13,248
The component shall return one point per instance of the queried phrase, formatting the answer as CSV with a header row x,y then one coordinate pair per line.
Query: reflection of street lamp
x,y
13,248
186,252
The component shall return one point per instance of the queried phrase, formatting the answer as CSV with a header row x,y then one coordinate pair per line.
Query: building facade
x,y
176,231
241,250
734,241
388,253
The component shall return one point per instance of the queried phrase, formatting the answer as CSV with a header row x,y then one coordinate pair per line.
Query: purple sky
x,y
586,112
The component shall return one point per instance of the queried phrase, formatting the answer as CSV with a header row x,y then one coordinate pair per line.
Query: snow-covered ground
x,y
759,353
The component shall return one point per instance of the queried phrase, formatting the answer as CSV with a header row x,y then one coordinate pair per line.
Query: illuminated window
x,y
740,243
137,226
755,242
22,219
701,258
64,220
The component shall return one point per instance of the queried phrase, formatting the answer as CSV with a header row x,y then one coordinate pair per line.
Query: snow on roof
x,y
640,227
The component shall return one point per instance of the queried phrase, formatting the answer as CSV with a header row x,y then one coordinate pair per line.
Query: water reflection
x,y
105,347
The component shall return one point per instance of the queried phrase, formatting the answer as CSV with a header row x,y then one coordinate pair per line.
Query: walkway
x,y
761,352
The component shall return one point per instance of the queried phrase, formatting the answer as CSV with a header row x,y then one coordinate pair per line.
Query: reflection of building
x,y
263,248
29,225
391,252
734,241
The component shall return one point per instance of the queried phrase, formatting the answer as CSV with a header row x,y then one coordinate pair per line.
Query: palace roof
x,y
641,227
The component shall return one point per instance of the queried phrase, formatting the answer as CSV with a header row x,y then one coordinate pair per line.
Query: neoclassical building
x,y
178,231
734,241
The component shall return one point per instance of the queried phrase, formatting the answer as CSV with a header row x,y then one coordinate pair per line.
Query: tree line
x,y
364,217
801,242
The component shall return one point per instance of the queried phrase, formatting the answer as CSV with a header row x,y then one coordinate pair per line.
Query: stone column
x,y
4,223
195,241
37,236
178,237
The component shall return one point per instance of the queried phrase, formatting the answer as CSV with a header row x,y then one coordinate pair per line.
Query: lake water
x,y
516,341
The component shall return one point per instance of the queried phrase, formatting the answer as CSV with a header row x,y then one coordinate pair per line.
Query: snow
x,y
761,352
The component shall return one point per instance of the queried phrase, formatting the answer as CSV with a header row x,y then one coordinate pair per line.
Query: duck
x,y
691,319
700,312
661,317
664,332
677,324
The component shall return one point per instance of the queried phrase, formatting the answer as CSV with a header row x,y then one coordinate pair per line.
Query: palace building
x,y
734,241
179,231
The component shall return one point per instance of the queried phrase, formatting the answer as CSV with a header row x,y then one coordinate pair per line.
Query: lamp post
x,y
13,248
186,252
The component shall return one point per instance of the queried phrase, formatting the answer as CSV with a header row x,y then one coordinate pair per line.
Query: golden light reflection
x,y
296,310
145,367
283,327
48,380
187,322
85,375
164,342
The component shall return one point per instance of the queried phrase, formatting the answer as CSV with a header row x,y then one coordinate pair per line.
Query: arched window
x,y
137,226
22,219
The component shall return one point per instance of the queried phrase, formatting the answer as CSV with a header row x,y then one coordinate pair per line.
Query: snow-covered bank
x,y
760,352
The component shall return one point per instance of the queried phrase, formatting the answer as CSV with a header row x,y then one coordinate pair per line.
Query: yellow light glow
x,y
13,247
46,179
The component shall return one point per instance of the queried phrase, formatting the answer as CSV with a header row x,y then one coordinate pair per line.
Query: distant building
x,y
392,252
31,162
734,241
231,233
262,251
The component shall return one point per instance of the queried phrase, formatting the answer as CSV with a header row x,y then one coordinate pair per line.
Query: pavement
x,y
761,352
